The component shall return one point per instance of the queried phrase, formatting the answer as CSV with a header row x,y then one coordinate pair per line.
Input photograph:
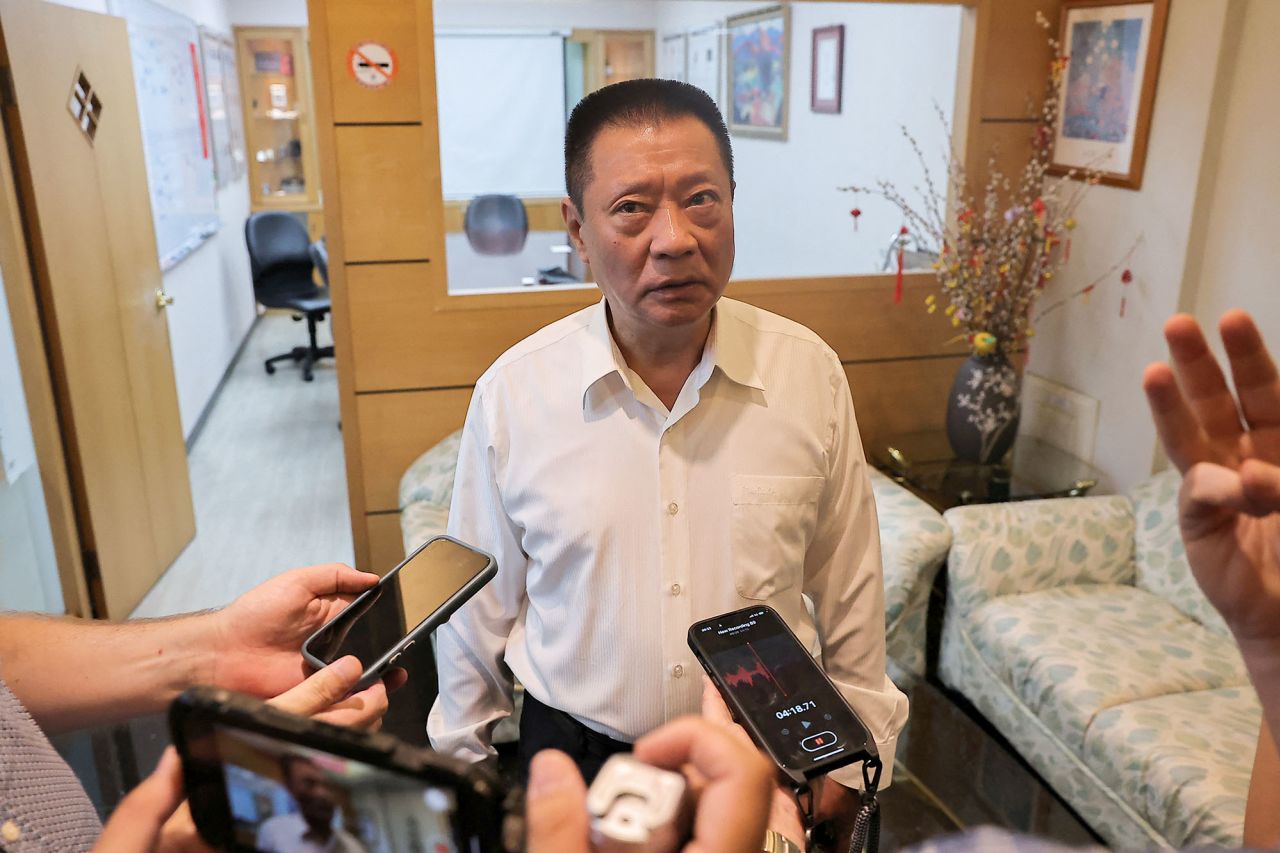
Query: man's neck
x,y
664,360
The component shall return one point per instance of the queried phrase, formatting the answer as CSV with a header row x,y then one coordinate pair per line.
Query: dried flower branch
x,y
994,260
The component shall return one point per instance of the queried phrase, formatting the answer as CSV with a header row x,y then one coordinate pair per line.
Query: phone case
x,y
744,719
423,629
198,712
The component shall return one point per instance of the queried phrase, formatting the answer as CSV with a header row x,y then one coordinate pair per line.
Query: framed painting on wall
x,y
827,78
758,60
1108,87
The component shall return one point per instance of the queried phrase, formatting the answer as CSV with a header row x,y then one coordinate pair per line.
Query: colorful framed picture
x,y
758,66
827,79
1107,90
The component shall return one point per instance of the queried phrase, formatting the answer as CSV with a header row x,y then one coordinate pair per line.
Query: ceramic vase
x,y
982,411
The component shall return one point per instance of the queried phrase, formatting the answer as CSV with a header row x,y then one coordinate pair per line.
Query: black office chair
x,y
281,262
496,224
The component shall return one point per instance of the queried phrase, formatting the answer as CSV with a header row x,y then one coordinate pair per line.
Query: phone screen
x,y
409,594
773,681
284,797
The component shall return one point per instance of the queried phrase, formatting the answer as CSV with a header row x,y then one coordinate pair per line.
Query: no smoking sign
x,y
372,64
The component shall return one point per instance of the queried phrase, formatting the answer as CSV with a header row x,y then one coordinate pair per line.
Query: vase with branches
x,y
997,252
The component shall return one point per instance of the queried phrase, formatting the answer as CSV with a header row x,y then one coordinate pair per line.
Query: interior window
x,y
799,132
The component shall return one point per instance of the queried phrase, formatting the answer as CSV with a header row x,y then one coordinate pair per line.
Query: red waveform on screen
x,y
748,676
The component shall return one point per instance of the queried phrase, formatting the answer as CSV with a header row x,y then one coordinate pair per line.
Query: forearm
x,y
71,673
1262,660
1261,819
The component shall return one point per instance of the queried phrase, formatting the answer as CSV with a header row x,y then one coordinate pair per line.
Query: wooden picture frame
x,y
758,57
826,79
1107,91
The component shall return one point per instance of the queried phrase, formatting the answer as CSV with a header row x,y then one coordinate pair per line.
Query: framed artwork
x,y
704,60
827,80
1112,50
758,72
674,57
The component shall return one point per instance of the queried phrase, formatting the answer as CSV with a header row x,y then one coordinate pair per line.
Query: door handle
x,y
163,300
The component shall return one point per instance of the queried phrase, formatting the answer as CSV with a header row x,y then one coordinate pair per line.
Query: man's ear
x,y
573,222
733,189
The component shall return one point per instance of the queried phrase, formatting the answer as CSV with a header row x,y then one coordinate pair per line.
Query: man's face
x,y
657,223
313,794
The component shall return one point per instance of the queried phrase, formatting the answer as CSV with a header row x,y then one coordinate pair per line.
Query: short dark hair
x,y
634,103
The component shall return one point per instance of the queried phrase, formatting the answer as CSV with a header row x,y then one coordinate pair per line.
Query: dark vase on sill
x,y
982,411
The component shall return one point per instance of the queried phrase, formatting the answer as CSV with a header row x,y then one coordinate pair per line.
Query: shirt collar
x,y
728,347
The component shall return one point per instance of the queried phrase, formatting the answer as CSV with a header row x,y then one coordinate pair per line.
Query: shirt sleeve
x,y
475,682
844,579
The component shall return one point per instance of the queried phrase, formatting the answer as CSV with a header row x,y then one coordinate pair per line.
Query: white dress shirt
x,y
289,833
617,524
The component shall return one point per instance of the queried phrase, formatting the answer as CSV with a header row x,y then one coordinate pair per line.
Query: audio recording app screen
x,y
774,679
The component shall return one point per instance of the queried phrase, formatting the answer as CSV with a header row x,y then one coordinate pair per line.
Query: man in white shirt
x,y
310,829
659,458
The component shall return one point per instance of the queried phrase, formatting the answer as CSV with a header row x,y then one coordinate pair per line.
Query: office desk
x,y
470,272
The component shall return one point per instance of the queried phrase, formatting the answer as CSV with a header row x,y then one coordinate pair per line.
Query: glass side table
x,y
924,463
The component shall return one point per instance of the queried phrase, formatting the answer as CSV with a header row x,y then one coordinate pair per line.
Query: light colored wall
x,y
583,14
267,13
1241,211
790,218
1088,346
213,294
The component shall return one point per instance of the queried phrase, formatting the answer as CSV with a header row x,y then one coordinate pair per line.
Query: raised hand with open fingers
x,y
1229,454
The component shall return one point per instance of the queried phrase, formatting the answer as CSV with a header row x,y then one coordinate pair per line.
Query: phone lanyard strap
x,y
866,826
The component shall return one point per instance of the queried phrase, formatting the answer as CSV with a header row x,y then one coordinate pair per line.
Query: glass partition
x,y
816,94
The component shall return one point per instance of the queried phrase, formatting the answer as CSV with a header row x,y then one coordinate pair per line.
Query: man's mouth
x,y
674,285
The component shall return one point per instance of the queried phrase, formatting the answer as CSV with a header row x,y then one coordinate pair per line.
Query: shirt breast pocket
x,y
772,524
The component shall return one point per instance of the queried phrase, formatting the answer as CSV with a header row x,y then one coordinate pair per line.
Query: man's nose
x,y
671,234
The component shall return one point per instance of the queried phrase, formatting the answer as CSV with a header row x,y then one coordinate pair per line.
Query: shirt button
x,y
673,508
10,831
676,589
677,670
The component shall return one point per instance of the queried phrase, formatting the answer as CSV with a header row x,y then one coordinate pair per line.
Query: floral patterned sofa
x,y
1076,627
913,536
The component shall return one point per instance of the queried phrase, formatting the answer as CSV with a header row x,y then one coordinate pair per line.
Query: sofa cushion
x,y
430,477
1160,559
1182,761
1072,652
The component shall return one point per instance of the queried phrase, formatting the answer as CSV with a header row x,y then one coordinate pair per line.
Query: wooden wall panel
x,y
395,429
391,23
904,395
386,546
390,215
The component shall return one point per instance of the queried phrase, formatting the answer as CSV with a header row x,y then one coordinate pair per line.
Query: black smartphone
x,y
779,694
423,591
260,779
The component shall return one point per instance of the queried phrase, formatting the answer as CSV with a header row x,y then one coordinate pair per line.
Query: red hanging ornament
x,y
902,249
855,213
1125,278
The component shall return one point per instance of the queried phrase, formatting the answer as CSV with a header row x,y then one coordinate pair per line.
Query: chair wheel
x,y
270,370
307,377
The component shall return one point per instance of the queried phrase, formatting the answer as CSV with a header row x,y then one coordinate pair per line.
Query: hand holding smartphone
x,y
424,591
779,694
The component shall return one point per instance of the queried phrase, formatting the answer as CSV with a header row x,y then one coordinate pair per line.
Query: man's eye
x,y
701,198
628,207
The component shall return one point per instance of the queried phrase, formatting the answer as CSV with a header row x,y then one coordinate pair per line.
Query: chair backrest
x,y
275,239
279,257
320,257
496,224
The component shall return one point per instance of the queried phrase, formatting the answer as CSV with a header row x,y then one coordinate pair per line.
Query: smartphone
x,y
260,779
779,694
423,591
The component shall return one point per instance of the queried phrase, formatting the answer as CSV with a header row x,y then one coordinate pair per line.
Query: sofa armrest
x,y
1024,546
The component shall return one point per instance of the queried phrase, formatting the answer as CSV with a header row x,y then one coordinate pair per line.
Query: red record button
x,y
821,740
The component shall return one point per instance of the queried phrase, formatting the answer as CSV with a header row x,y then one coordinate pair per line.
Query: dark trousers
x,y
543,727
